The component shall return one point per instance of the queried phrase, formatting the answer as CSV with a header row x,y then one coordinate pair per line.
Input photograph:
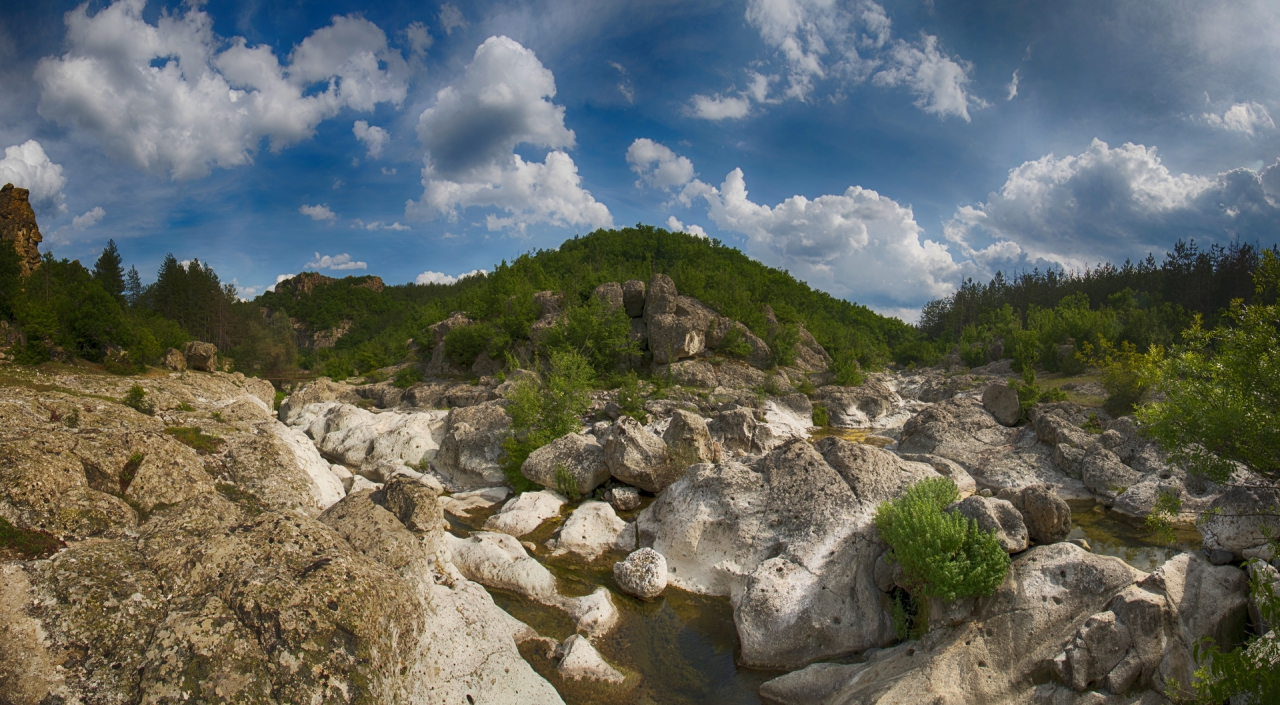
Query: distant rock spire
x,y
18,225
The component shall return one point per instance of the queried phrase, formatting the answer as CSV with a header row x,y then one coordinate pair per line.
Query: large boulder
x,y
688,439
789,541
471,447
995,656
637,457
633,297
579,660
1241,518
175,360
525,513
592,530
573,463
610,294
201,356
1048,516
997,517
1102,472
1002,401
873,404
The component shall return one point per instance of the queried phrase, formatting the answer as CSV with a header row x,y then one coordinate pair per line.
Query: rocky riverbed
x,y
360,543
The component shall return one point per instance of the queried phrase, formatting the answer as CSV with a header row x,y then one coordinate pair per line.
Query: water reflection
x,y
1112,534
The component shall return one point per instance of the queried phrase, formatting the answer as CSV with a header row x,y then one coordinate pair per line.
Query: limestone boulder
x,y
997,517
1102,472
175,360
623,498
609,293
573,463
637,457
579,660
201,356
525,513
1048,516
873,404
1241,518
633,297
643,574
592,530
688,439
1002,401
471,449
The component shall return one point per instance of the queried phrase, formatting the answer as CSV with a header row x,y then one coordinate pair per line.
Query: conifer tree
x,y
109,271
133,287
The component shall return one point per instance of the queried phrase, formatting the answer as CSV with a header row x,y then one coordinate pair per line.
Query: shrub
x,y
601,336
1127,374
407,377
541,413
566,484
735,343
463,344
630,398
942,554
783,341
820,417
136,399
1030,393
195,438
847,370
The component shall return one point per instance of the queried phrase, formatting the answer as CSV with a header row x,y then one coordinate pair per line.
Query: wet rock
x,y
637,457
623,498
590,531
526,512
643,574
1002,401
579,660
201,356
998,517
573,463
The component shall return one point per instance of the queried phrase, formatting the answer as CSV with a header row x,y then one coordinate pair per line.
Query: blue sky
x,y
880,151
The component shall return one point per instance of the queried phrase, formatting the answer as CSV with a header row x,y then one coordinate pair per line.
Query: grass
x,y
195,438
25,543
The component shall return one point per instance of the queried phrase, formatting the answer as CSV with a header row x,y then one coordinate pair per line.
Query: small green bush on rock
x,y
136,399
942,554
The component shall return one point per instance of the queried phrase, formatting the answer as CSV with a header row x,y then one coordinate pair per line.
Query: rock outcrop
x,y
18,225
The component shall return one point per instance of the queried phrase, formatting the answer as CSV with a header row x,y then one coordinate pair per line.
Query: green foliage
x,y
1127,374
783,341
407,377
820,416
544,410
566,484
25,543
601,336
942,554
463,344
136,399
847,371
1160,521
195,438
108,271
1222,391
1247,673
1030,393
630,398
910,618
735,344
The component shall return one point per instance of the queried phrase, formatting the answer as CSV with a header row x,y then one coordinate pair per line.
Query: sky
x,y
880,151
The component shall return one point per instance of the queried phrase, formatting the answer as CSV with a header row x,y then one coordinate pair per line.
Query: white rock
x,y
326,486
360,482
591,530
580,661
525,513
462,503
643,574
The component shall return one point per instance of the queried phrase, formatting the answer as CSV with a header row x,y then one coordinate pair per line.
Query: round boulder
x,y
1002,401
643,574
1048,516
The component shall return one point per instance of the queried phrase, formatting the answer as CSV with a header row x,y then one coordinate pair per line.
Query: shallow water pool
x,y
1112,534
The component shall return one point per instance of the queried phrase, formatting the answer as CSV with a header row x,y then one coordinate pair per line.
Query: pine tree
x,y
109,271
133,287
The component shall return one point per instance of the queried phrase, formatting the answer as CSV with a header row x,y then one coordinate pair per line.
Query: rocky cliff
x,y
18,225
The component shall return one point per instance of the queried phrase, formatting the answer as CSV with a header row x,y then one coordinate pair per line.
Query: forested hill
x,y
383,318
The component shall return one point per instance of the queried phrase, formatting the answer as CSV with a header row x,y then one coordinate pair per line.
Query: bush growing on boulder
x,y
943,554
136,399
543,412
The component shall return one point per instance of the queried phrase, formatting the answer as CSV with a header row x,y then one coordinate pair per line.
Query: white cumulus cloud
x,y
378,225
451,18
374,138
89,218
1242,117
658,166
429,277
674,225
1109,204
27,166
842,42
318,212
281,278
173,97
502,100
342,261
1013,86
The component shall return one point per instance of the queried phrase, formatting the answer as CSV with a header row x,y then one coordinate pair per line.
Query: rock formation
x,y
18,225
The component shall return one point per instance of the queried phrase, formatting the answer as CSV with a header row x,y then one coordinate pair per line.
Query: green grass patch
x,y
195,438
25,543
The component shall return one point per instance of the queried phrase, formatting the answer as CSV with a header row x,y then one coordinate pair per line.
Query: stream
x,y
680,648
